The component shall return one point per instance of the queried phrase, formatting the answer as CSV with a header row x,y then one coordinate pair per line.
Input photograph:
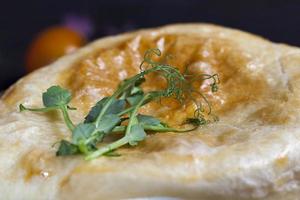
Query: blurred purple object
x,y
79,23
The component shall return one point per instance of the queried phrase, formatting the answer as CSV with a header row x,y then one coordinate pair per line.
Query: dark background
x,y
21,20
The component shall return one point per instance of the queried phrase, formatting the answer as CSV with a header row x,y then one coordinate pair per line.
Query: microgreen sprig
x,y
119,113
55,98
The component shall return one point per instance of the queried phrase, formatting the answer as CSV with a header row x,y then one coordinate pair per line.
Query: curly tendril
x,y
181,87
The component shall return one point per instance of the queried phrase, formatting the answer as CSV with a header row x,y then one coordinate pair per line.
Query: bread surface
x,y
253,152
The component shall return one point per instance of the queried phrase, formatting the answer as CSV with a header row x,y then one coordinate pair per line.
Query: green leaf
x,y
148,120
136,134
67,148
133,100
108,122
94,112
56,96
82,132
116,107
93,133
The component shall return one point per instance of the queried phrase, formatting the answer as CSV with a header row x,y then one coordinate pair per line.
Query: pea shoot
x,y
119,113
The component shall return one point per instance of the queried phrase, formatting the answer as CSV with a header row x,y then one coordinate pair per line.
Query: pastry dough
x,y
253,152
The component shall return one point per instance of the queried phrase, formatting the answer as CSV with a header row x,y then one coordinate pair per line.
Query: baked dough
x,y
253,152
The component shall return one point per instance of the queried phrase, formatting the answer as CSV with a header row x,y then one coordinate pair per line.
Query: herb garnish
x,y
119,113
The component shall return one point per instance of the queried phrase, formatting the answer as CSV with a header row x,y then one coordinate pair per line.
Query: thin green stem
x,y
63,108
82,147
127,110
46,109
104,109
166,129
107,148
121,129
66,116
94,136
133,114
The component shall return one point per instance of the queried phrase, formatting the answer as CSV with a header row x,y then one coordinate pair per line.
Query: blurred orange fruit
x,y
50,45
